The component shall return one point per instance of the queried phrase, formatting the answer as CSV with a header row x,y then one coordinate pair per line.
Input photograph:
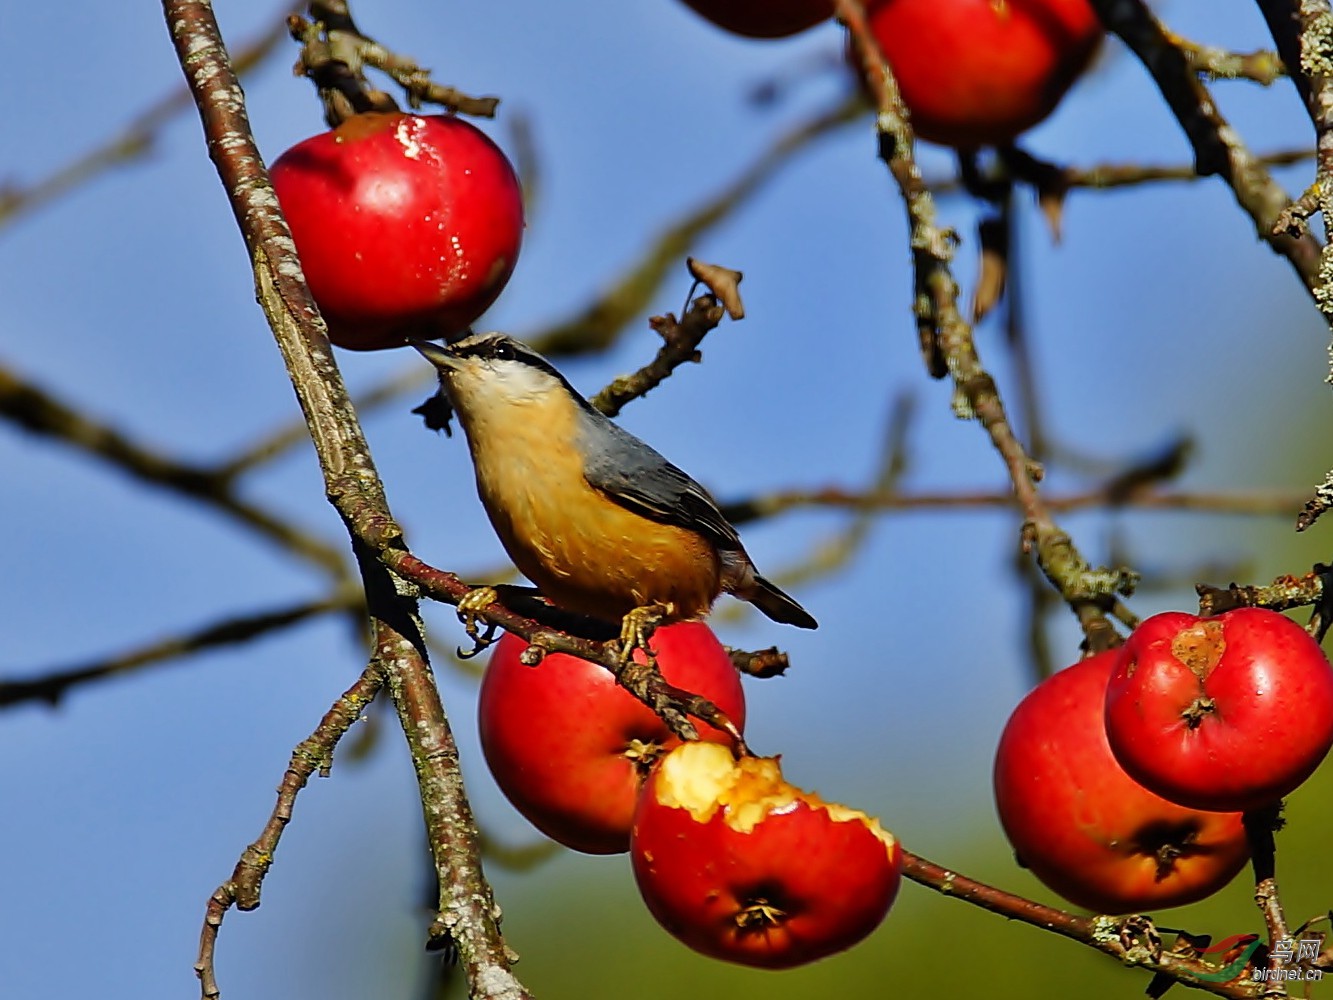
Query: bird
x,y
599,521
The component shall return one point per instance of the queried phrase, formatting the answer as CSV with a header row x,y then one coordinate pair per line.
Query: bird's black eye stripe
x,y
508,350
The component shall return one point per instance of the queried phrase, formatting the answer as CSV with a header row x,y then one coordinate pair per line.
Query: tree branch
x,y
135,140
39,412
1259,828
1217,148
680,343
1131,940
352,485
1304,29
247,879
596,327
1264,503
948,348
51,684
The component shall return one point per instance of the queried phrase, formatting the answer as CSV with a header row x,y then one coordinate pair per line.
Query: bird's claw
x,y
470,607
637,627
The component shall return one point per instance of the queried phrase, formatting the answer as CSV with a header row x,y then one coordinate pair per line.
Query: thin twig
x,y
947,338
315,753
1262,503
1283,594
1259,827
680,343
1220,64
36,410
1106,176
134,141
1130,940
1218,149
674,705
51,684
596,327
346,43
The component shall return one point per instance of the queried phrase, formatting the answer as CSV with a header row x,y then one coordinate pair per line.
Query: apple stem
x,y
1199,709
759,914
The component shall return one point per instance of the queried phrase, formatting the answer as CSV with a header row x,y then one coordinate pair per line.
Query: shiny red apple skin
x,y
1226,713
763,874
406,225
1083,826
981,72
570,748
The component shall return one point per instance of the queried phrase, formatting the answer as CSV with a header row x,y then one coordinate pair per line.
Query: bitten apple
x,y
1085,827
406,225
741,865
1232,712
570,748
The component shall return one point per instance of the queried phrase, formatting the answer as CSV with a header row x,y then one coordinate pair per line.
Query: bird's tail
x,y
777,605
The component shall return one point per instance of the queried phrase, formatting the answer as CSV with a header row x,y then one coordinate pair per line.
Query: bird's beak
x,y
441,357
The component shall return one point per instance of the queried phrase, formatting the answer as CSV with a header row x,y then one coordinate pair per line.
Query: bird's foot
x,y
470,607
637,627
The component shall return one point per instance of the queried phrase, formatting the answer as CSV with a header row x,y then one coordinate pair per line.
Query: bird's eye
x,y
503,352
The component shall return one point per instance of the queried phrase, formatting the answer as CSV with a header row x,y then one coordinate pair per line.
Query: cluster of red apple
x,y
410,225
729,857
1121,781
971,72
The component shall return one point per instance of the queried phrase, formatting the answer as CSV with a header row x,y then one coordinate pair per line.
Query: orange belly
x,y
610,560
583,551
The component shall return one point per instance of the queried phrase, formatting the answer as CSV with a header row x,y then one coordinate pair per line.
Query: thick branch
x,y
1303,30
349,474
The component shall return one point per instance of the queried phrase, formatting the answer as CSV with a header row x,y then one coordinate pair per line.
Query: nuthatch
x,y
599,521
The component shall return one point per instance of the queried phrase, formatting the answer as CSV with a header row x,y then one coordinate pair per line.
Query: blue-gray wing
x,y
635,476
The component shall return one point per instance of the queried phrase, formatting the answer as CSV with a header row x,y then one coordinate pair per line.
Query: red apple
x,y
764,18
570,748
740,865
979,72
1085,827
406,225
1232,712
